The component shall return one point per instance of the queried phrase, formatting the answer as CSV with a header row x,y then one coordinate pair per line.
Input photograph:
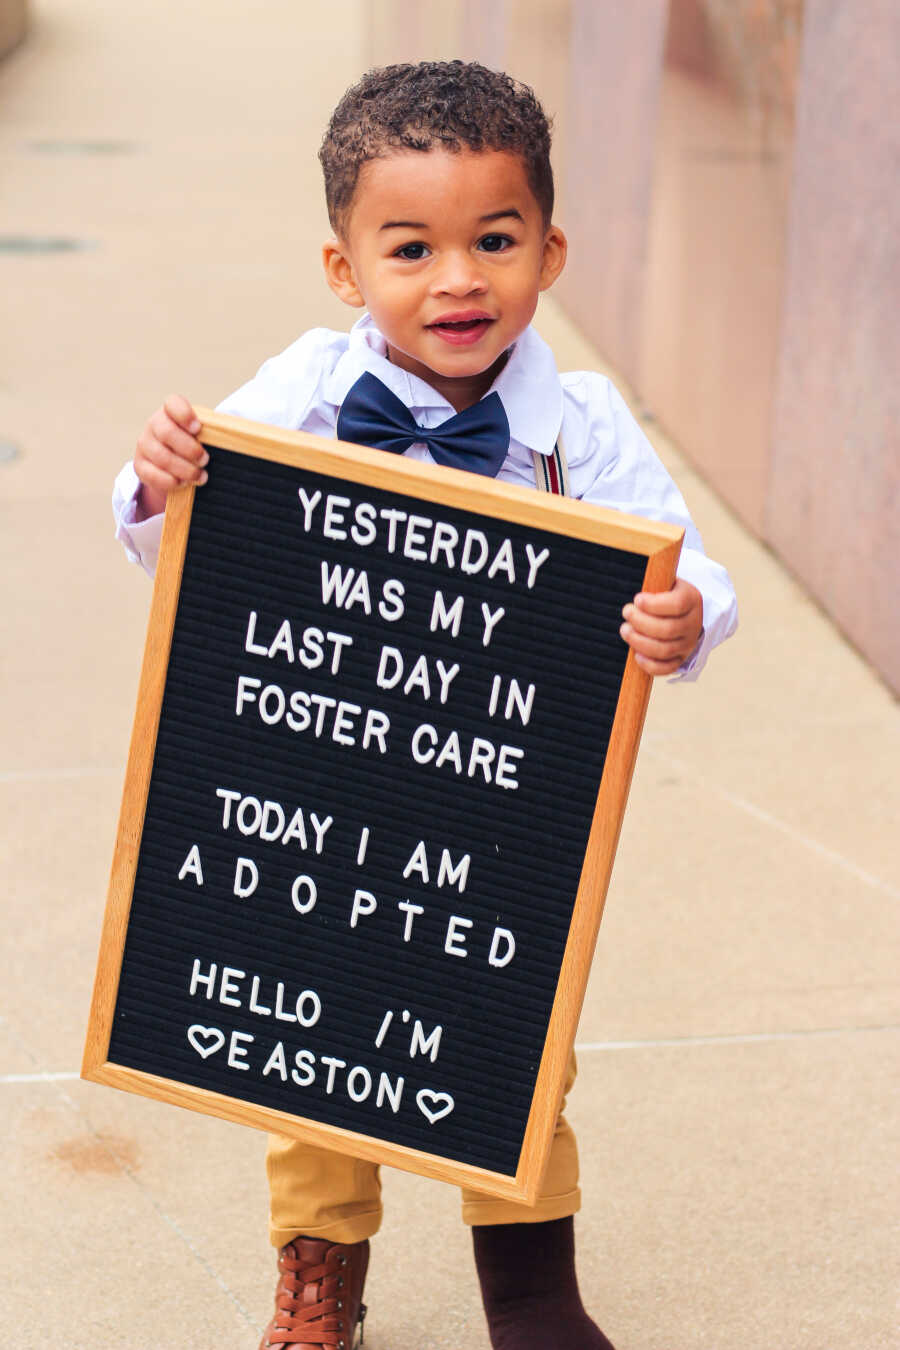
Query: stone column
x,y
614,80
833,509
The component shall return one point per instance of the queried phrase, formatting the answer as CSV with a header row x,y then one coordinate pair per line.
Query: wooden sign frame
x,y
659,543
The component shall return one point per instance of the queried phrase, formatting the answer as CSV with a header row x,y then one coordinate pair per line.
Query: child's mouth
x,y
461,329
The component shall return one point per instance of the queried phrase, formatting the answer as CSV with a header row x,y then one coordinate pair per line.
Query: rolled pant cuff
x,y
352,1228
548,1207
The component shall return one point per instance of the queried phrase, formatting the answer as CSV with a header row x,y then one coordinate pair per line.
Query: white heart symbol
x,y
441,1104
206,1040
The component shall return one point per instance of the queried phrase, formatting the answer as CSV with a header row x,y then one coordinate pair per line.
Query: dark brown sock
x,y
529,1289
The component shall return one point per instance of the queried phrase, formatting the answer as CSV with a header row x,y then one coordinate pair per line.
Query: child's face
x,y
448,252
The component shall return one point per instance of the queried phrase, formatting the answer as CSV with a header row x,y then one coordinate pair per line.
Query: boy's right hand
x,y
168,454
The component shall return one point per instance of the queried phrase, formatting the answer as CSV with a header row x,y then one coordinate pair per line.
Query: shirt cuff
x,y
141,538
719,608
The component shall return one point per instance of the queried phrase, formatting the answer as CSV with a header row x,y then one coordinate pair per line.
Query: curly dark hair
x,y
451,104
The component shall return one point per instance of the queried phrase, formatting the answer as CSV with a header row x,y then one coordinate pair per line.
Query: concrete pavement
x,y
737,1099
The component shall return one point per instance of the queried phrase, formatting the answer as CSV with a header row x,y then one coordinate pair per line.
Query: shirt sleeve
x,y
612,463
286,388
282,393
141,538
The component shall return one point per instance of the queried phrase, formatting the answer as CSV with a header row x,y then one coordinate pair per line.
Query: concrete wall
x,y
614,92
833,505
727,175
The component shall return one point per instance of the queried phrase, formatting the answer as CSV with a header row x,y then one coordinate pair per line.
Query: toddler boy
x,y
440,194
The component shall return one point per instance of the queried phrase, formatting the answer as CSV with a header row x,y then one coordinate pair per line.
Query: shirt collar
x,y
528,384
531,393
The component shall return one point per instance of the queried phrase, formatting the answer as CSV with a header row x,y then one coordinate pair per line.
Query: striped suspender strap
x,y
551,471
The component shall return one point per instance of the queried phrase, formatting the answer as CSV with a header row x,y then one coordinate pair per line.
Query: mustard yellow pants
x,y
329,1195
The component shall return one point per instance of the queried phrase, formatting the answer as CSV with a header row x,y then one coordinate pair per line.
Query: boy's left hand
x,y
663,627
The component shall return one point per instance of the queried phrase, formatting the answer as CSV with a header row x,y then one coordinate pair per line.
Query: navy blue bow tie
x,y
476,439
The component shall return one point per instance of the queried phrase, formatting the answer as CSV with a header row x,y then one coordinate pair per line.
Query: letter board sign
x,y
384,736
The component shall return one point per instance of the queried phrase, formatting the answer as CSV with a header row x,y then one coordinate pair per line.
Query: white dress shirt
x,y
610,460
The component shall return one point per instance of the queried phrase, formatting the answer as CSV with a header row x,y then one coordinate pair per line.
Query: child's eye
x,y
494,243
412,252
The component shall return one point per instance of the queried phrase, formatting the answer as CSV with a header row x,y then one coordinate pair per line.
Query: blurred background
x,y
728,178
727,169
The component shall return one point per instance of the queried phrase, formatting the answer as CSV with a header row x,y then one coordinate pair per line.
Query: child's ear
x,y
554,258
339,273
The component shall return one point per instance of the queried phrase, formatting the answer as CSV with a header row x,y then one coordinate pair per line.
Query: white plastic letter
x,y
455,944
309,504
304,903
193,865
238,1052
495,956
364,903
244,888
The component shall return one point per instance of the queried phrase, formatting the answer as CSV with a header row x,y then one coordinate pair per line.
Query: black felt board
x,y
248,552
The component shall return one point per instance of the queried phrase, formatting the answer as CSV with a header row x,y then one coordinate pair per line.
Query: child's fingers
x,y
168,454
181,412
672,604
170,434
161,480
652,625
157,479
658,667
655,649
153,454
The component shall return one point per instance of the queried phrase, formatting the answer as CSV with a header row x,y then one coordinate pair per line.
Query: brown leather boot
x,y
318,1301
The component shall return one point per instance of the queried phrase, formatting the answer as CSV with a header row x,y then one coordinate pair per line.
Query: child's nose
x,y
459,274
